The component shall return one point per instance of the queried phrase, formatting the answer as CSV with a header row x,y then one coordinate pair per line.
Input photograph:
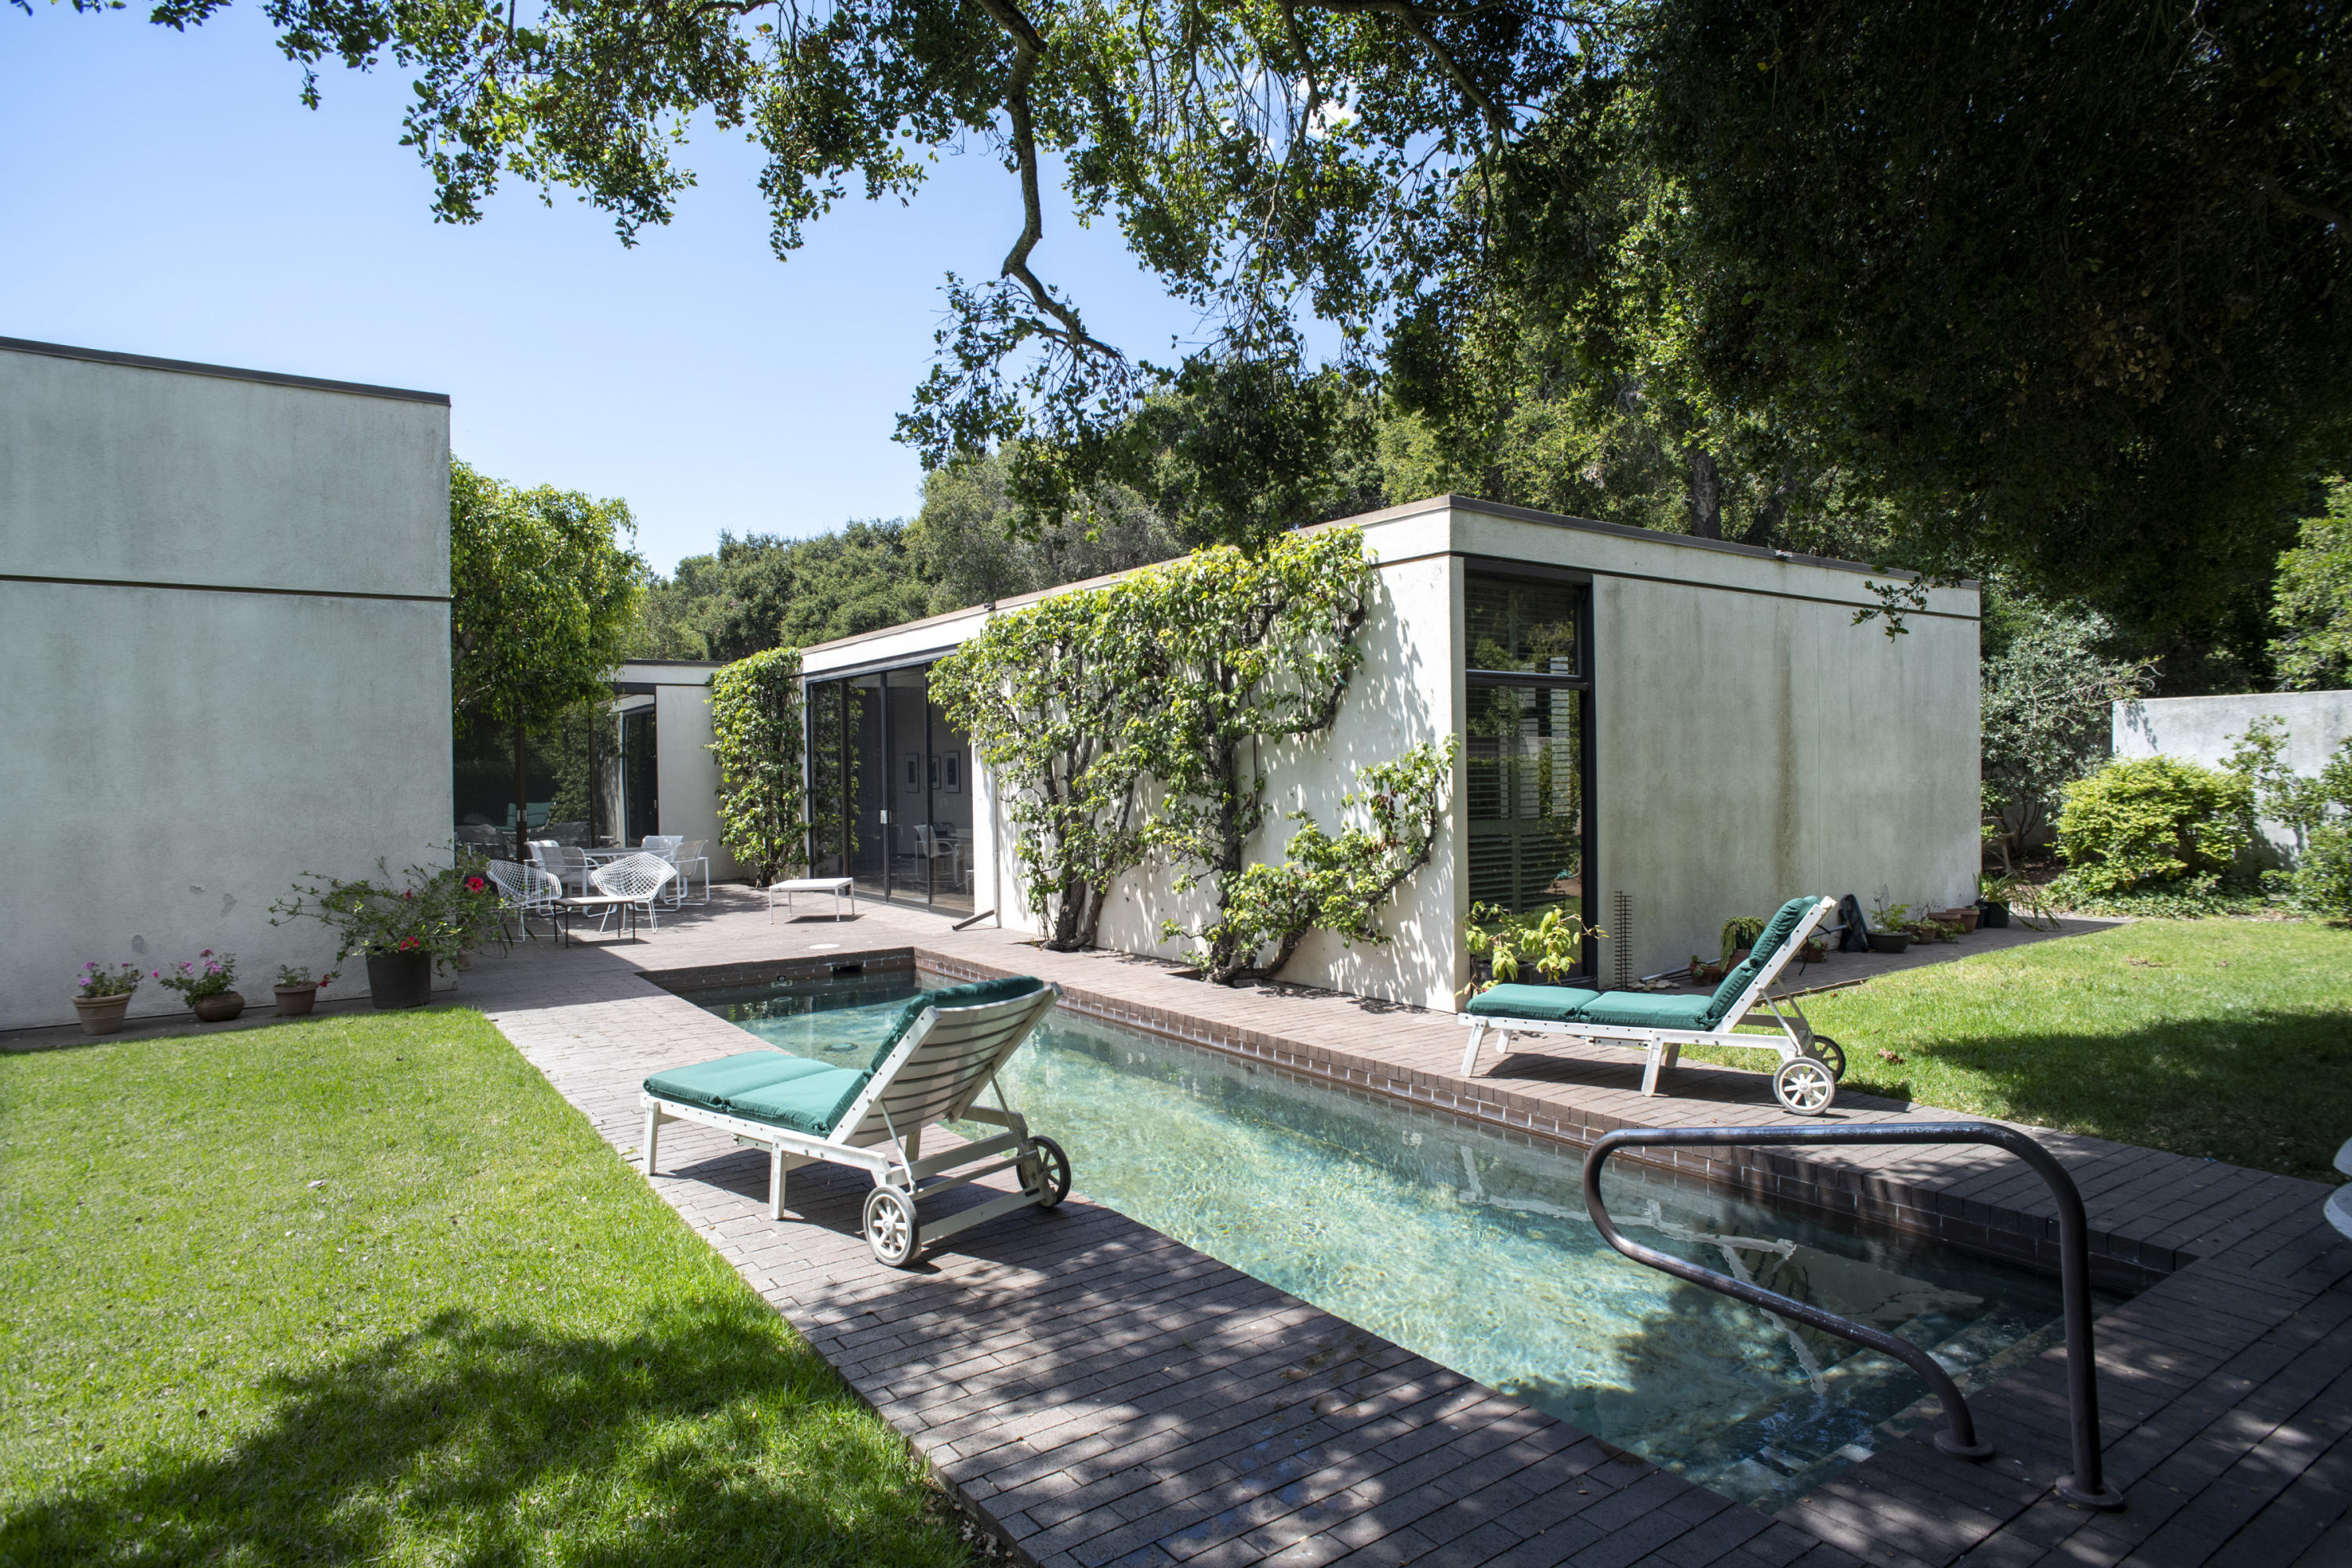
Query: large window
x,y
1528,747
890,789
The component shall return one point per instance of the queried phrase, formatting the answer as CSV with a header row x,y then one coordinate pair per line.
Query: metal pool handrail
x,y
2085,1486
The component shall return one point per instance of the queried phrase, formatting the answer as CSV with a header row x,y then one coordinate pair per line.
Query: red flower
x,y
473,884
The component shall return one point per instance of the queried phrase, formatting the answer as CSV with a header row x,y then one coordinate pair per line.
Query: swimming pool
x,y
1476,1252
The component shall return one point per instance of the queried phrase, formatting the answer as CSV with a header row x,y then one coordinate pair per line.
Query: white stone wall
x,y
230,664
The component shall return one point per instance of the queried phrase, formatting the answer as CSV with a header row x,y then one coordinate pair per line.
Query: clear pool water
x,y
1477,1253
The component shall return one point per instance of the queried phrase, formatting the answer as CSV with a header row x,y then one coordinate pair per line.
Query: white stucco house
x,y
224,632
1667,732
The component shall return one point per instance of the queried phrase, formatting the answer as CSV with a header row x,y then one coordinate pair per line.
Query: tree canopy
x,y
542,599
1949,285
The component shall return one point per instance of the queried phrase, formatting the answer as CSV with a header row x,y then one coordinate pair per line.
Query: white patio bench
x,y
839,886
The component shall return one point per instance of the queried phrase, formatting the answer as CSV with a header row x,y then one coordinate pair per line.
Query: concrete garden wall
x,y
226,633
2207,730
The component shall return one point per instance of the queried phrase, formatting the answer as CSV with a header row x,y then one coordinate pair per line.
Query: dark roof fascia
x,y
226,373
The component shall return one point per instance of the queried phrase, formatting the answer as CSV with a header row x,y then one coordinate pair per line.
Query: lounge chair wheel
x,y
1804,1086
890,1227
1832,1054
1049,1170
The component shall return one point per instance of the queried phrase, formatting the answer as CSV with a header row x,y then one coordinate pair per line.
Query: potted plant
x,y
1739,934
1812,950
404,932
1993,895
297,992
1964,917
1551,944
1888,932
104,996
1702,972
208,985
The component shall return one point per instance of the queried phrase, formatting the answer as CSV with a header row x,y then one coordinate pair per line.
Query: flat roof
x,y
1446,502
226,373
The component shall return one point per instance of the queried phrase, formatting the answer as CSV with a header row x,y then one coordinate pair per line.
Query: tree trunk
x,y
523,807
1706,495
595,717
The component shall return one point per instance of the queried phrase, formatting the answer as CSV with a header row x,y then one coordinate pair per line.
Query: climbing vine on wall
x,y
755,711
1046,693
1132,721
1323,883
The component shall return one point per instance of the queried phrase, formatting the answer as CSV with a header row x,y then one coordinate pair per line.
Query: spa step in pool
x,y
1476,1252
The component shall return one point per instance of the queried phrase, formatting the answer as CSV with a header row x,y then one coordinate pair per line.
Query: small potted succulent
x,y
297,992
104,997
208,984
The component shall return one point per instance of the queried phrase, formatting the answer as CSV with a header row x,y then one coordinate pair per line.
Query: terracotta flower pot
x,y
294,1001
217,1008
1966,919
102,1015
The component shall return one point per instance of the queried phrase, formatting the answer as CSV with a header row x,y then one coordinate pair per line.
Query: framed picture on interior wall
x,y
914,773
953,783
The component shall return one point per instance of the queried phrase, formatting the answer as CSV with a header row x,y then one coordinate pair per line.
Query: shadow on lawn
x,y
702,1440
2266,1088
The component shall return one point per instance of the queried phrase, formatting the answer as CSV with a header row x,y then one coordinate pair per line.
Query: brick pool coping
x,y
1104,1395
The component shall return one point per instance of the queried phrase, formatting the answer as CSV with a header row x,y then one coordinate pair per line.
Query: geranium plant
x,y
95,981
209,976
297,976
446,914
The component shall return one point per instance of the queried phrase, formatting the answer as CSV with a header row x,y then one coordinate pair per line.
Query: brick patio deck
x,y
1108,1396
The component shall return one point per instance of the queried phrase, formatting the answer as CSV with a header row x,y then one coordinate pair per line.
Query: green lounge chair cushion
x,y
809,1102
713,1085
1548,1003
1774,933
1647,1010
972,995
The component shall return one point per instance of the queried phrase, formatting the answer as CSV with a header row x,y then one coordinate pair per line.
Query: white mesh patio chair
x,y
666,845
527,890
635,880
935,846
692,854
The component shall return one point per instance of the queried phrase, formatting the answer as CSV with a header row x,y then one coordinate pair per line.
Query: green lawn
x,y
2224,1038
368,1289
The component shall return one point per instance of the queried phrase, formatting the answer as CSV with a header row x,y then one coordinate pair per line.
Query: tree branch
x,y
1027,43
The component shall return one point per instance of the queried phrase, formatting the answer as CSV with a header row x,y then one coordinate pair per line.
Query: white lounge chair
x,y
947,1046
1660,1027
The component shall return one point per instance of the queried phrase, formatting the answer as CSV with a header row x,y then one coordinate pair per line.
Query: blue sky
x,y
167,194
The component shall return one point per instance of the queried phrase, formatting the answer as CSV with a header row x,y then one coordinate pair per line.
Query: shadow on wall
x,y
692,1442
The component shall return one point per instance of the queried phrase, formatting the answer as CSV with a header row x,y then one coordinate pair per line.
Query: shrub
x,y
2152,824
755,716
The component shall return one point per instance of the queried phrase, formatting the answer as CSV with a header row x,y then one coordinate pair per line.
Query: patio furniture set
x,y
565,882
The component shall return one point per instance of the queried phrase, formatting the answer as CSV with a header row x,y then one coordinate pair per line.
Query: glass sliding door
x,y
1528,748
889,790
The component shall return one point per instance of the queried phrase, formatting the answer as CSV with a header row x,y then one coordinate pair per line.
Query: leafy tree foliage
x,y
2313,604
967,547
755,716
2049,691
542,598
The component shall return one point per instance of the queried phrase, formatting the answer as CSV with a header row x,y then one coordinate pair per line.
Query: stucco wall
x,y
2207,729
232,668
1753,742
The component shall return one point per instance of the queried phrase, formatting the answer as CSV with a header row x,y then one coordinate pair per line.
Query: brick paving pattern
x,y
1106,1396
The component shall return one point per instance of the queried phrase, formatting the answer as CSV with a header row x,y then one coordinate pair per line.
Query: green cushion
x,y
1550,1003
713,1085
1647,1010
1776,931
808,1102
972,995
